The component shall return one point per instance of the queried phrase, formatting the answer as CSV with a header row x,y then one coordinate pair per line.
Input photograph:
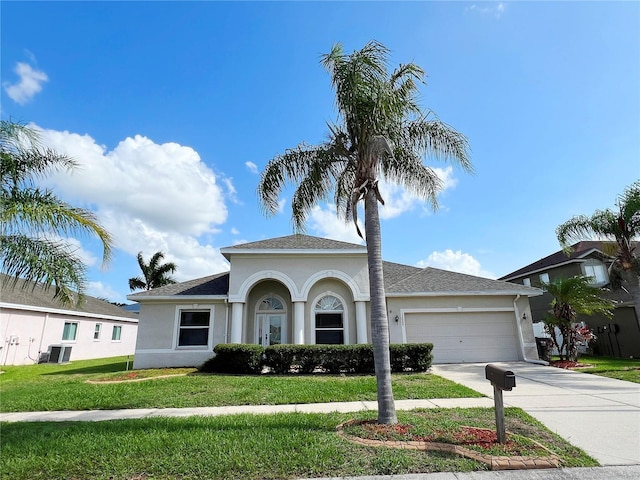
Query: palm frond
x,y
39,260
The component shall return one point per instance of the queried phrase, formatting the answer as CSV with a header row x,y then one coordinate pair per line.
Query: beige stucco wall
x,y
299,269
27,333
158,330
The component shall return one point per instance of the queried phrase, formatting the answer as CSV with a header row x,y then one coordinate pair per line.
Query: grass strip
x,y
55,387
283,446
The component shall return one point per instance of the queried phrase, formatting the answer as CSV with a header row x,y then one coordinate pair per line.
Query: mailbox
x,y
499,377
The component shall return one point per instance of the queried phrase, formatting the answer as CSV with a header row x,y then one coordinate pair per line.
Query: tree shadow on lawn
x,y
106,368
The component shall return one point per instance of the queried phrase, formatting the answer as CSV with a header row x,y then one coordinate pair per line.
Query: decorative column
x,y
361,322
236,322
298,322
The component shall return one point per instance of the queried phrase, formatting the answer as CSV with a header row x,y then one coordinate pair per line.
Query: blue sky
x,y
173,108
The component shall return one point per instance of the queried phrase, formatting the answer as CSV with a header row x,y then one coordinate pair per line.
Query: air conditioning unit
x,y
59,353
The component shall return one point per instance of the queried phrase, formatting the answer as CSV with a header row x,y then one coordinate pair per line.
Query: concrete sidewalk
x,y
597,414
102,415
626,472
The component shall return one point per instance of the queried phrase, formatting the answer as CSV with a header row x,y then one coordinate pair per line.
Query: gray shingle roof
x,y
434,280
212,285
36,295
399,279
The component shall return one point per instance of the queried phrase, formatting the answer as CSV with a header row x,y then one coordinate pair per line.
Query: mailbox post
x,y
501,379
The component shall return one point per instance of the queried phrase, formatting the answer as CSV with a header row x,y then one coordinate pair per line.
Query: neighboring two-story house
x,y
618,337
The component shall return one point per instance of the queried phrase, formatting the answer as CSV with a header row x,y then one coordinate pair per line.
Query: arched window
x,y
271,303
329,313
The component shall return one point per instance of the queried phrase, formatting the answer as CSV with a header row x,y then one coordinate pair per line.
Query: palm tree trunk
x,y
379,319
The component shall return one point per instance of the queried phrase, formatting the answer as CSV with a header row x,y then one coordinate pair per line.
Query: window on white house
x,y
526,281
96,331
544,278
70,331
329,320
193,330
116,333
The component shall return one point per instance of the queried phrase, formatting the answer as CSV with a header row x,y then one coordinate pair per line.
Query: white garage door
x,y
465,337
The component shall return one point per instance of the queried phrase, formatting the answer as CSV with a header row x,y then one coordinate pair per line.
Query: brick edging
x,y
494,462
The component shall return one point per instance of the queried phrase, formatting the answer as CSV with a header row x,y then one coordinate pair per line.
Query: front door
x,y
270,327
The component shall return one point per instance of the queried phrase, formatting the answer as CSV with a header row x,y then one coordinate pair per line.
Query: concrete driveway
x,y
599,415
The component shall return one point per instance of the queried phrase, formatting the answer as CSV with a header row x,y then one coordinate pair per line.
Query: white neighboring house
x,y
301,289
33,324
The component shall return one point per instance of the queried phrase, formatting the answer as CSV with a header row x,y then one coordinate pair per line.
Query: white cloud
x,y
99,290
150,197
30,83
235,231
455,262
325,223
398,200
495,10
253,168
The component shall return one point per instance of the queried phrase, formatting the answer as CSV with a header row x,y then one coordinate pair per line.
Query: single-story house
x,y
616,337
35,327
302,289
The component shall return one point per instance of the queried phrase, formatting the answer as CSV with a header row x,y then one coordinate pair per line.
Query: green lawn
x,y
66,387
240,446
620,368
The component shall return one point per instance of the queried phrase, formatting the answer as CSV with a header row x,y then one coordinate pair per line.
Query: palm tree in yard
x,y
154,274
35,222
572,297
382,133
621,227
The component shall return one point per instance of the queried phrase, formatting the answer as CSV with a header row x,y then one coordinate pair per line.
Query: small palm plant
x,y
572,297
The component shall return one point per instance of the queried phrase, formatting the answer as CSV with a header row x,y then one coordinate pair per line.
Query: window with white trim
x,y
597,274
544,278
329,314
116,333
526,281
70,331
193,328
96,331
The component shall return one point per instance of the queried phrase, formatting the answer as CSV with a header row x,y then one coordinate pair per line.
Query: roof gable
x,y
297,243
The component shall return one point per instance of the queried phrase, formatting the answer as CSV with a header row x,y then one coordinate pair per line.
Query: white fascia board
x,y
33,308
497,293
306,251
177,298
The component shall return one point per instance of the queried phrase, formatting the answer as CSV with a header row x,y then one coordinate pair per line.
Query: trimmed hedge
x,y
286,358
235,358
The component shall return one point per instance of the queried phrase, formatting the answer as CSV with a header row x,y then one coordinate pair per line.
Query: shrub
x,y
235,358
283,359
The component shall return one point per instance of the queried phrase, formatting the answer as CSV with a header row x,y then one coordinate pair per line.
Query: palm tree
x,y
572,297
154,274
34,221
381,131
621,228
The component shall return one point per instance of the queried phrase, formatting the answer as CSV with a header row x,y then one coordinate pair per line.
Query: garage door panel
x,y
465,337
